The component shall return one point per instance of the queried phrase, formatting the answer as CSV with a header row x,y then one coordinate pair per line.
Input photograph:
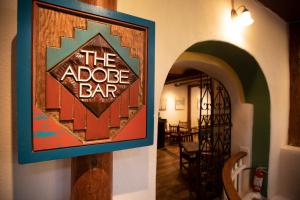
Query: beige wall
x,y
195,95
171,93
8,32
179,24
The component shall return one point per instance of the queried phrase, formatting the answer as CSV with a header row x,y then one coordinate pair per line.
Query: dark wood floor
x,y
170,183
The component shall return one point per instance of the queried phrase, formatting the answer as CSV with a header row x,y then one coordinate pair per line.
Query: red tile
x,y
97,128
48,134
52,93
134,93
79,115
115,113
124,103
135,129
67,103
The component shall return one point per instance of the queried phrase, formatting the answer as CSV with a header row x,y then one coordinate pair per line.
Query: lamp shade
x,y
243,18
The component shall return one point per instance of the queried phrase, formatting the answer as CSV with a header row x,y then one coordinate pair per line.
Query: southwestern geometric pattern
x,y
102,99
85,80
92,92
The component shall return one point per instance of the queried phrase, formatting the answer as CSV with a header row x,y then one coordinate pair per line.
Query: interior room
x,y
190,81
206,64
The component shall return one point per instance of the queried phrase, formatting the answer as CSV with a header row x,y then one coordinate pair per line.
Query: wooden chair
x,y
186,159
167,132
195,132
182,126
173,133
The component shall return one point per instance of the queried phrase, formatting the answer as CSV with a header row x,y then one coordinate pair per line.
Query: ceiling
x,y
289,10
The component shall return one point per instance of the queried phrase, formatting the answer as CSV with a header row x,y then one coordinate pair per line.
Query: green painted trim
x,y
69,45
256,92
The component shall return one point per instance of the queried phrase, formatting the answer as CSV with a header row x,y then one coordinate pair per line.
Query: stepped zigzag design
x,y
69,45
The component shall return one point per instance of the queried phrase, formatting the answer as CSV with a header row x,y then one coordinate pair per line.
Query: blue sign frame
x,y
24,81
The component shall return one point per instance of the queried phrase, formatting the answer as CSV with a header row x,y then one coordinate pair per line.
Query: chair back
x,y
185,137
173,128
182,126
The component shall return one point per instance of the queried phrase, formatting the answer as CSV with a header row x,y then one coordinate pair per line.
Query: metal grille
x,y
214,137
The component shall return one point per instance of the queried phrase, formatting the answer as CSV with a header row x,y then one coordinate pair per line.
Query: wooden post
x,y
92,174
92,177
294,129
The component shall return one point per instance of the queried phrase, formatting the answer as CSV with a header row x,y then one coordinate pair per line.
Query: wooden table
x,y
191,147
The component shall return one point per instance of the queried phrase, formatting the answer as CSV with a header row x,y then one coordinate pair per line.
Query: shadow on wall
x,y
289,175
135,176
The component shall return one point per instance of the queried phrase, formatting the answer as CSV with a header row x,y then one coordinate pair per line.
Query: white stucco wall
x,y
179,24
170,94
7,34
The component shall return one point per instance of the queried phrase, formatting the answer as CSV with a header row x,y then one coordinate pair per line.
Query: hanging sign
x,y
85,80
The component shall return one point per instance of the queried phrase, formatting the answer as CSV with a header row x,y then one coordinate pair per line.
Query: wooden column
x,y
92,174
189,110
92,177
294,128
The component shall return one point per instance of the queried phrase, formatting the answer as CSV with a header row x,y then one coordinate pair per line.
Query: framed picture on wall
x,y
163,104
179,103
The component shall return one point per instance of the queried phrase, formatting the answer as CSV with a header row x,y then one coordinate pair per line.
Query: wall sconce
x,y
241,16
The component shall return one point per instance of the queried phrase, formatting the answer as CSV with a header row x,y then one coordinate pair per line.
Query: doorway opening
x,y
199,107
250,98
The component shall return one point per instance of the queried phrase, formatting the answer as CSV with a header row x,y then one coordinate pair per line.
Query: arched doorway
x,y
255,90
205,108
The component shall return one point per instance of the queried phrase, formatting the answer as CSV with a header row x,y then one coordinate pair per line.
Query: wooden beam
x,y
92,174
189,118
92,177
183,78
294,128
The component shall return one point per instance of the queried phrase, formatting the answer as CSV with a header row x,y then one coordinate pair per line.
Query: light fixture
x,y
241,16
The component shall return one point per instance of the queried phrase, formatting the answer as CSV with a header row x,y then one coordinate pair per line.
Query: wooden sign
x,y
85,80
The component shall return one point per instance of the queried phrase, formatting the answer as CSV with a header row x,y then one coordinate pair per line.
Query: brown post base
x,y
92,177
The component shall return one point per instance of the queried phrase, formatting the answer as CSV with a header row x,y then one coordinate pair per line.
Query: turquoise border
x,y
24,60
69,45
256,92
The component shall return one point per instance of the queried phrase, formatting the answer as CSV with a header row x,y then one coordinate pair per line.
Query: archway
x,y
198,116
255,90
